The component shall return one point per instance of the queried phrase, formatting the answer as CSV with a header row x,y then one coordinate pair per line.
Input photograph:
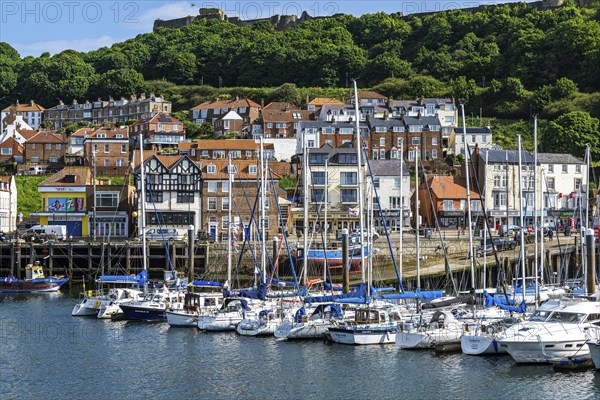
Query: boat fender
x,y
167,305
466,327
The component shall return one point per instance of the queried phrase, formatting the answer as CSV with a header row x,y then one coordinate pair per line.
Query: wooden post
x,y
12,258
345,267
89,257
50,259
190,253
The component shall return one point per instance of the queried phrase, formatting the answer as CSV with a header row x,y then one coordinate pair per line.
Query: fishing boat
x,y
35,281
317,257
556,330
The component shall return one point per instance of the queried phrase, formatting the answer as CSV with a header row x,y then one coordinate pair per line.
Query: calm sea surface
x,y
46,353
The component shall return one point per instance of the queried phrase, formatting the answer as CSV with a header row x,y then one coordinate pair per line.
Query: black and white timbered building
x,y
173,193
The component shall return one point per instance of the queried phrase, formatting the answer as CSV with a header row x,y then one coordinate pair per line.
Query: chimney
x,y
31,103
17,102
142,96
133,97
151,95
60,102
74,102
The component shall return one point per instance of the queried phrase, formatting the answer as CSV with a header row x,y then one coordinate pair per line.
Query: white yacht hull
x,y
528,352
362,336
478,345
309,330
253,327
181,318
106,312
413,340
219,323
87,308
594,348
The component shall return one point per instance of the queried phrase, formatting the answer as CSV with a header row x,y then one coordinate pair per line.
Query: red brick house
x,y
46,148
211,111
281,120
110,145
161,131
11,150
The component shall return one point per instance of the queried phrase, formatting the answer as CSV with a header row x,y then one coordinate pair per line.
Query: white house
x,y
12,130
480,137
8,204
31,113
394,203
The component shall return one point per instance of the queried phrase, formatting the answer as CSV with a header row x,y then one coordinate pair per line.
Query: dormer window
x,y
231,169
119,136
101,135
297,115
211,169
252,169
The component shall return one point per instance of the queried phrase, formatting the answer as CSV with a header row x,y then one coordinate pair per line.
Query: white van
x,y
159,234
60,231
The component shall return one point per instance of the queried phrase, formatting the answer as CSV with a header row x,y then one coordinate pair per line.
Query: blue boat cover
x,y
329,286
355,300
298,316
375,290
359,291
118,278
243,302
500,301
276,282
334,310
254,293
419,294
207,283
520,309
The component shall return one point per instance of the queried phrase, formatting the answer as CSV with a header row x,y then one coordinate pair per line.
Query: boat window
x,y
549,345
568,345
593,317
566,317
539,315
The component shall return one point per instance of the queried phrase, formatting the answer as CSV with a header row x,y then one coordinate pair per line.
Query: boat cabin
x,y
34,271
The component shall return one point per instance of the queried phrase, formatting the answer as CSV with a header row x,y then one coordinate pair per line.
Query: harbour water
x,y
47,353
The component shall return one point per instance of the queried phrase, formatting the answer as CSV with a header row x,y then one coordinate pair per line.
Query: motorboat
x,y
483,338
35,281
186,314
370,326
556,330
112,291
152,306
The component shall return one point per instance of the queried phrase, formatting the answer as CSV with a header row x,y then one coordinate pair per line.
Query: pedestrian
x,y
550,234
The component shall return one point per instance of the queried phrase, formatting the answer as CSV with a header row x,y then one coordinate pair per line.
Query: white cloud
x,y
167,11
56,46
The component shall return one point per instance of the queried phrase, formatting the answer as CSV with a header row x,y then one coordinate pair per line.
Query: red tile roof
x,y
450,187
83,176
28,107
47,137
226,104
319,101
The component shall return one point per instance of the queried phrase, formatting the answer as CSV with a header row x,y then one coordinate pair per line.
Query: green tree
x,y
463,89
120,83
570,133
176,65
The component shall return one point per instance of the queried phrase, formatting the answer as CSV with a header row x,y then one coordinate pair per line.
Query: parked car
x,y
159,234
499,243
4,237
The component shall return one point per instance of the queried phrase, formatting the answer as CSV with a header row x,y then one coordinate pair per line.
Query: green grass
x,y
28,197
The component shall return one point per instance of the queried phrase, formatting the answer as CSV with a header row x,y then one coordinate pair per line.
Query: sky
x,y
33,27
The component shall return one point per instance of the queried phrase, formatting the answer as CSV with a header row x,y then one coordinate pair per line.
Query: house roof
x,y
503,156
425,121
551,158
159,117
231,115
5,181
27,107
234,103
274,115
27,133
83,176
388,168
459,131
280,106
449,187
319,101
81,132
47,137
229,144
111,133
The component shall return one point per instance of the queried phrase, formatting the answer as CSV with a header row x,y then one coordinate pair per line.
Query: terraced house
x,y
31,112
161,132
108,149
46,148
227,116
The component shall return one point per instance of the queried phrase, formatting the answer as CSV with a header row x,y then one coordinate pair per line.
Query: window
x,y
577,185
265,222
483,138
211,169
32,146
551,183
6,151
434,141
349,178
317,195
434,153
382,154
270,125
48,146
448,205
280,125
329,131
395,202
346,158
120,162
375,155
35,159
225,203
416,141
380,129
107,199
212,204
248,153
415,128
398,129
473,138
123,148
578,168
397,181
225,186
95,147
376,183
106,162
231,169
212,187
318,178
311,143
346,131
348,195
565,168
550,167
156,196
382,142
59,147
252,169
394,154
267,202
329,142
411,155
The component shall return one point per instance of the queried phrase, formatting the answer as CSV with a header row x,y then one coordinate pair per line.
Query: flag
x,y
353,212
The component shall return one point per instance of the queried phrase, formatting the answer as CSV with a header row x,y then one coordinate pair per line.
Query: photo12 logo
x,y
54,12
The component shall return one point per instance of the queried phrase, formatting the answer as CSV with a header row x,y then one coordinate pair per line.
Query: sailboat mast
x,y
542,172
485,227
522,255
471,255
417,222
359,182
535,209
400,252
229,176
325,224
305,172
263,258
587,185
143,200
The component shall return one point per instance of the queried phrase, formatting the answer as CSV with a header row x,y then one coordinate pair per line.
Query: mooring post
x,y
50,259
